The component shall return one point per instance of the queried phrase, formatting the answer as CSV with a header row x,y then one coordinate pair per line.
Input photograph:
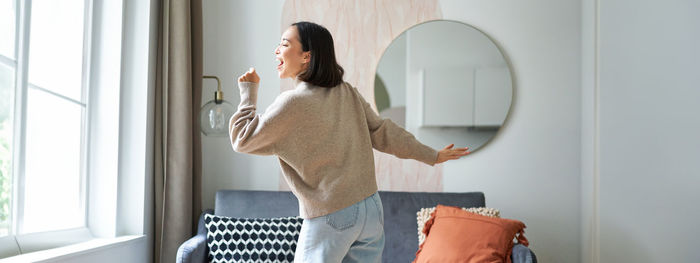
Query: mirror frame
x,y
506,58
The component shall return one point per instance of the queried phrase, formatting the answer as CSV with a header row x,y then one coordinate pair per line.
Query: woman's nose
x,y
277,50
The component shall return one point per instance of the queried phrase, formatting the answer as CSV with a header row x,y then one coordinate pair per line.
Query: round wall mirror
x,y
445,82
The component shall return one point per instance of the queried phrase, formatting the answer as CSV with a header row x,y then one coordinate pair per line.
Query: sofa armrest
x,y
194,250
522,254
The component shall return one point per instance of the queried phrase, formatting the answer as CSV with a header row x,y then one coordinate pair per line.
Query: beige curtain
x,y
178,158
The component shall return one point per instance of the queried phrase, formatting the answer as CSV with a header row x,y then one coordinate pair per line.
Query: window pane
x,y
7,28
7,80
56,46
52,165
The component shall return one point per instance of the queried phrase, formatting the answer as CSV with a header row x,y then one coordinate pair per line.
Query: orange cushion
x,y
455,235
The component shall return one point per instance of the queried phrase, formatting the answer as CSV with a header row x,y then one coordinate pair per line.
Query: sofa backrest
x,y
255,204
400,210
400,226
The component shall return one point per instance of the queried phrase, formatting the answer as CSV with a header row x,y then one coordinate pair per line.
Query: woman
x,y
323,132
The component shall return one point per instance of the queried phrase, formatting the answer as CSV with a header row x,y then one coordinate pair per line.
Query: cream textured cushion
x,y
424,214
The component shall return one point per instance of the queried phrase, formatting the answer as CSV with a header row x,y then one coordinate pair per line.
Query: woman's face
x,y
292,60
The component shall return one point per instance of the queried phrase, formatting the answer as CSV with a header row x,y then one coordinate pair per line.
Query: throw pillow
x,y
252,240
455,235
424,214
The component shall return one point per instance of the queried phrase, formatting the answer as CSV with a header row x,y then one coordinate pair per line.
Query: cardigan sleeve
x,y
259,133
390,138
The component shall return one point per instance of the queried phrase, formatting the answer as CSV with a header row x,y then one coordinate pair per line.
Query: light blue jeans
x,y
353,234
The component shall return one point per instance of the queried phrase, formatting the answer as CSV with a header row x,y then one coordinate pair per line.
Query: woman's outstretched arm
x,y
392,139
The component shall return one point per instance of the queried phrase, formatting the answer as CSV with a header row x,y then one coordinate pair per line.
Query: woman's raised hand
x,y
249,76
448,153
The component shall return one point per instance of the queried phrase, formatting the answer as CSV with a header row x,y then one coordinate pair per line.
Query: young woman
x,y
323,132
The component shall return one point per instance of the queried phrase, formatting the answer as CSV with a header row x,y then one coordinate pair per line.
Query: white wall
x,y
530,171
589,145
238,35
648,130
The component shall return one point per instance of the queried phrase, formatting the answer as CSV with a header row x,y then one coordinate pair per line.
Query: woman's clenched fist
x,y
249,76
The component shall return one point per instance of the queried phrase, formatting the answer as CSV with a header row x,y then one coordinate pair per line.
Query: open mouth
x,y
280,62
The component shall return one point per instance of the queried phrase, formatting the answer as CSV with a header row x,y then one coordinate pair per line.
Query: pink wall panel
x,y
362,30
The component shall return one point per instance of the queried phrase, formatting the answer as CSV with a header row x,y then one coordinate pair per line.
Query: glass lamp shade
x,y
214,117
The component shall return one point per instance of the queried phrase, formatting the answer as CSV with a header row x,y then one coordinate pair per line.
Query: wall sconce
x,y
215,114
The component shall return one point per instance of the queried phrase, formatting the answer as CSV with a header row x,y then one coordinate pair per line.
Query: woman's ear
x,y
307,56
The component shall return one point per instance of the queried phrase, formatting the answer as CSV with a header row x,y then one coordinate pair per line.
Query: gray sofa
x,y
400,225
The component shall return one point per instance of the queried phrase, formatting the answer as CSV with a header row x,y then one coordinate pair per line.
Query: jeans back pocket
x,y
343,219
380,207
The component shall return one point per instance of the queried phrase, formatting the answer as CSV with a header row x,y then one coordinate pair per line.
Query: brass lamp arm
x,y
218,94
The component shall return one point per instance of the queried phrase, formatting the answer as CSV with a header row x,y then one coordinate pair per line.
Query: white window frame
x,y
29,242
118,188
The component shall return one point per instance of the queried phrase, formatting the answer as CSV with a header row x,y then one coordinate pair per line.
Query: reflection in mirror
x,y
445,82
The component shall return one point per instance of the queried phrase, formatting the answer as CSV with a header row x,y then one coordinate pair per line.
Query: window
x,y
43,115
74,129
8,11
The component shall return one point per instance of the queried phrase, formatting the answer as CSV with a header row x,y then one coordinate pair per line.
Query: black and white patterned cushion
x,y
252,240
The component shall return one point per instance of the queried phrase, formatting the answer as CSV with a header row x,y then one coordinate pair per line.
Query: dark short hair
x,y
323,70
